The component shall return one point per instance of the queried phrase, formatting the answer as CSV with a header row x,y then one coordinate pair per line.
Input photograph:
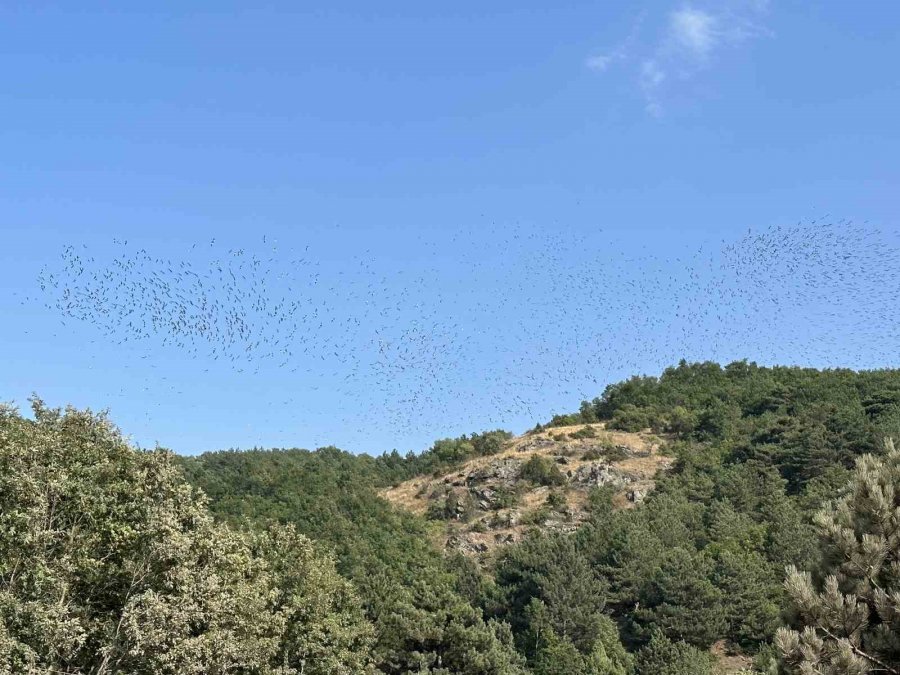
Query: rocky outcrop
x,y
597,474
487,502
499,472
465,544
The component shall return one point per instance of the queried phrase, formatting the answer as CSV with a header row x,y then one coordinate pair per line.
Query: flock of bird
x,y
507,325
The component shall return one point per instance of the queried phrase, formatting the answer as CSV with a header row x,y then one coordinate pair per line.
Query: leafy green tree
x,y
851,621
557,656
320,621
541,470
631,418
426,627
410,592
680,421
110,563
608,656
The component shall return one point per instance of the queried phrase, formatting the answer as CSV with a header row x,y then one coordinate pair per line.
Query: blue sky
x,y
427,138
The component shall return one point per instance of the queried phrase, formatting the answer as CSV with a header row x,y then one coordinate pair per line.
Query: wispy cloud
x,y
694,30
651,78
621,52
600,62
687,40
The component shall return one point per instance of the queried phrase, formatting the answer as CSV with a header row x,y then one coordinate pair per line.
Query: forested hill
x,y
288,562
804,422
697,568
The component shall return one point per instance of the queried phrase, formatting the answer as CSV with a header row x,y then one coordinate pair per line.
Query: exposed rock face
x,y
504,471
486,503
485,498
599,474
464,544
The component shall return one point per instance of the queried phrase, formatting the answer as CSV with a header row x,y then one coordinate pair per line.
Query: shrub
x,y
630,418
556,500
584,432
506,497
592,454
542,471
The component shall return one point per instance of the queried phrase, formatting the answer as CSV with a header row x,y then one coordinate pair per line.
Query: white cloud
x,y
651,77
602,62
694,30
688,41
599,63
651,74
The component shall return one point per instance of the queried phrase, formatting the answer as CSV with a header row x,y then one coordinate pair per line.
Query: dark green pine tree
x,y
681,601
662,656
548,568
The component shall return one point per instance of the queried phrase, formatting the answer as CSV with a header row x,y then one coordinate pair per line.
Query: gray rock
x,y
504,471
599,473
465,545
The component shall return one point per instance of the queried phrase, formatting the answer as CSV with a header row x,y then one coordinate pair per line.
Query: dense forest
x,y
775,538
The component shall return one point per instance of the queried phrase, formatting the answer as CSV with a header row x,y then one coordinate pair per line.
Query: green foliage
x,y
799,420
556,500
565,420
757,452
584,432
662,656
680,421
593,454
456,505
851,620
681,600
754,599
549,570
506,497
542,470
630,418
109,562
555,655
409,590
449,452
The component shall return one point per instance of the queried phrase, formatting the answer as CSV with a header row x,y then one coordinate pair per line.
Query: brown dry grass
x,y
642,468
728,663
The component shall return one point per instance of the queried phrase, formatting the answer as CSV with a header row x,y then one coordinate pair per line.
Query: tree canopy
x,y
114,559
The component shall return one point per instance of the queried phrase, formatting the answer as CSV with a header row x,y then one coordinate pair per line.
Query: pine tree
x,y
851,621
662,656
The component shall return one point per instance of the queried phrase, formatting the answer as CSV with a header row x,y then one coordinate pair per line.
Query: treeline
x,y
804,422
287,561
418,600
701,561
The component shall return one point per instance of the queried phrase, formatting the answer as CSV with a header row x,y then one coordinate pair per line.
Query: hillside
x,y
591,540
541,479
646,534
